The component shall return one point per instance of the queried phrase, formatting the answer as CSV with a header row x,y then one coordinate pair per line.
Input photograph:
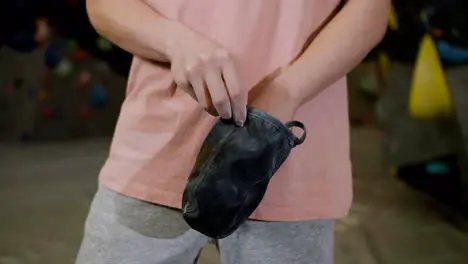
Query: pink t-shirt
x,y
160,129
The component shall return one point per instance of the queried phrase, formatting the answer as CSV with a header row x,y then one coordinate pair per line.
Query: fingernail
x,y
240,123
226,116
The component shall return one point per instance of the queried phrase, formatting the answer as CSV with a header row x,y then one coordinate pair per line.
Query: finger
x,y
183,84
198,89
218,93
188,89
237,96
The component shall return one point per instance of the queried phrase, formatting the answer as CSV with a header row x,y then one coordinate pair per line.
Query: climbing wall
x,y
57,91
58,78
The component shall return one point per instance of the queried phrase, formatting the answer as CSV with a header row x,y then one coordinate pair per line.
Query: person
x,y
195,61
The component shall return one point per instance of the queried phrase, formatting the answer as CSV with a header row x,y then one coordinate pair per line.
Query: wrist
x,y
279,102
164,37
176,35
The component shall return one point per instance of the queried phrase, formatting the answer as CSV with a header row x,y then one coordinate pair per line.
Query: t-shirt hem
x,y
264,213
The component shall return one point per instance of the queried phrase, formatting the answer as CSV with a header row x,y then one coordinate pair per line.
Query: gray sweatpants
x,y
123,230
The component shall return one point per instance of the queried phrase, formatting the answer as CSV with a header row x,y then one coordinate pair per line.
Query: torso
x,y
160,128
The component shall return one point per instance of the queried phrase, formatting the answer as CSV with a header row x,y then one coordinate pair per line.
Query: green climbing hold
x,y
103,44
64,68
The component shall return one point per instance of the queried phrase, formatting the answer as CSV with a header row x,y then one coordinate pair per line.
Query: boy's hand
x,y
208,73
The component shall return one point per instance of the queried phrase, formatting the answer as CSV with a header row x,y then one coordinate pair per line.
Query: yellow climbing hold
x,y
393,19
429,96
384,63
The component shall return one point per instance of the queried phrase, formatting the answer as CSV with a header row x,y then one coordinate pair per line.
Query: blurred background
x,y
61,86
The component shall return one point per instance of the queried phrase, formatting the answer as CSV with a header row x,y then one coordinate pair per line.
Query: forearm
x,y
338,48
134,26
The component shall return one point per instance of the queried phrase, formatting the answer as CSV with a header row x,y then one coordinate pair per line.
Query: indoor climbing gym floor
x,y
46,188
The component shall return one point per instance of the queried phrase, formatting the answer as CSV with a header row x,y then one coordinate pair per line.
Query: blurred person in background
x,y
195,61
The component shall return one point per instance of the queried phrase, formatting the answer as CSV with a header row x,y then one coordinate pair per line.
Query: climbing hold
x,y
102,67
393,19
369,83
42,31
437,32
83,79
47,113
42,95
64,68
430,95
384,62
98,96
451,53
437,168
103,44
80,55
52,56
